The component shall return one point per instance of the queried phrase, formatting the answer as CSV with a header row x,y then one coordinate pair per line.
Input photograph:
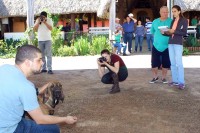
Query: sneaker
x,y
173,84
125,55
50,72
154,80
43,71
181,86
164,81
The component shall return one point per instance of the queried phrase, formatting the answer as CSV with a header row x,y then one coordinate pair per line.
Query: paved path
x,y
89,62
136,60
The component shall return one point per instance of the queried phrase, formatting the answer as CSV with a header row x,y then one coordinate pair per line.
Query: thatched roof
x,y
11,8
188,5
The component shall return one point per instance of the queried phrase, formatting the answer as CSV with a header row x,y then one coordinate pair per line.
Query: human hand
x,y
71,119
38,20
171,31
100,63
162,32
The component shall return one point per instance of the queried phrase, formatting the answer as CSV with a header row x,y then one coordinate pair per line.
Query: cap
x,y
130,14
117,19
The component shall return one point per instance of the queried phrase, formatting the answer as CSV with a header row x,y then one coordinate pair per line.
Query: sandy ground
x,y
140,107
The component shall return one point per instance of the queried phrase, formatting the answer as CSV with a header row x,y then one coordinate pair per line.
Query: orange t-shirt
x,y
175,25
62,23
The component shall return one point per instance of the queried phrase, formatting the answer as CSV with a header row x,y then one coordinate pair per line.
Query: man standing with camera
x,y
43,26
117,70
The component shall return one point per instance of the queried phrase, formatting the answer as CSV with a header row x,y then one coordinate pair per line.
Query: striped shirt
x,y
148,27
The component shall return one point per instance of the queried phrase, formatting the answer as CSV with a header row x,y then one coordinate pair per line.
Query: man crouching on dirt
x,y
117,70
17,94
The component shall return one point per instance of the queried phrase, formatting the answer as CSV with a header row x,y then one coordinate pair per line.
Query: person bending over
x,y
117,70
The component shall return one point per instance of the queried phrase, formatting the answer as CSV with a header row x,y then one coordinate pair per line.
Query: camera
x,y
102,59
41,18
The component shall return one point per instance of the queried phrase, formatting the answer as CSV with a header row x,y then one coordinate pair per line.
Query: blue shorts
x,y
30,126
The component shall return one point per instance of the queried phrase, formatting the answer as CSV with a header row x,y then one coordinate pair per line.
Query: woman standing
x,y
139,35
178,30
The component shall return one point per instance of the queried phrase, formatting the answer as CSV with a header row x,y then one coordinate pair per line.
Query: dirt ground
x,y
140,107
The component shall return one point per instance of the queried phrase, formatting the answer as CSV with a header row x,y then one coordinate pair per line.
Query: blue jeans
x,y
29,126
118,45
45,47
149,41
138,41
177,70
128,37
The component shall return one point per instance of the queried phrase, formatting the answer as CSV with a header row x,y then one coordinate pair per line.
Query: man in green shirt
x,y
160,54
194,21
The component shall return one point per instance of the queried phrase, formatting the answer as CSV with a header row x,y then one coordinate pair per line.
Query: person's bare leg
x,y
164,73
155,75
155,72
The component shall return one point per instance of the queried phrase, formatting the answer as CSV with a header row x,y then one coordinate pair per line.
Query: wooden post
x,y
81,22
10,24
95,20
89,19
103,22
72,21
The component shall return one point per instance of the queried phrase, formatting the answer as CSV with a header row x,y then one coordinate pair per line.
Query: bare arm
x,y
40,118
47,25
101,69
135,20
37,23
114,68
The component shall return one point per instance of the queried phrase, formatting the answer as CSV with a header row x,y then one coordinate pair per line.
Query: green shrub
x,y
98,44
9,47
3,47
29,33
82,45
67,51
185,51
191,42
57,40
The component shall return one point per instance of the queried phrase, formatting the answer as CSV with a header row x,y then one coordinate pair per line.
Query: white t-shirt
x,y
44,34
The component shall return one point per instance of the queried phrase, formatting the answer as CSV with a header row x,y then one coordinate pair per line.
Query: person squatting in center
x,y
117,70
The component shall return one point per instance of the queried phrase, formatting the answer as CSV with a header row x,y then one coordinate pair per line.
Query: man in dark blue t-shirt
x,y
128,30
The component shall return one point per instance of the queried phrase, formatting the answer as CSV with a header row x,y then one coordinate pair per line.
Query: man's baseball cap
x,y
130,15
117,19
